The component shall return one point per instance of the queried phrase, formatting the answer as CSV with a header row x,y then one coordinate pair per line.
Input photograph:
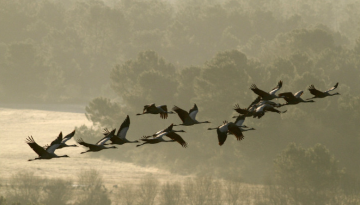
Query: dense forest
x,y
116,56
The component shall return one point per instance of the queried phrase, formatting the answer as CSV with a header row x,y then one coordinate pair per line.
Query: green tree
x,y
23,73
148,79
221,79
315,40
101,111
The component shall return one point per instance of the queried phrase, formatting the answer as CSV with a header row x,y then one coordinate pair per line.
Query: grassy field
x,y
44,126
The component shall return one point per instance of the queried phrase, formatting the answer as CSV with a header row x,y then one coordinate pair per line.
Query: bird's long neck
x,y
311,98
244,130
141,144
203,122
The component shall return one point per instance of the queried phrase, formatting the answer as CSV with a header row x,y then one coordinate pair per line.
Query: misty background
x,y
112,57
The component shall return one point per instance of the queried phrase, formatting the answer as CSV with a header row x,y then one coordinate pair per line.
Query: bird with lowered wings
x,y
152,109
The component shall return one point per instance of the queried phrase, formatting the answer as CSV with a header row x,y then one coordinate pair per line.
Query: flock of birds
x,y
256,109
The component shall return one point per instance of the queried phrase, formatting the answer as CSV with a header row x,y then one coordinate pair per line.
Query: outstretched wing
x,y
221,136
37,148
184,116
81,142
123,128
298,94
68,137
274,90
256,101
106,138
333,88
193,111
315,91
236,131
163,114
54,144
271,109
177,138
149,107
288,96
240,110
168,129
259,92
106,131
239,120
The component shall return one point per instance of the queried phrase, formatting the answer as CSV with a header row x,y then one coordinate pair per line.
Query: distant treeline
x,y
63,51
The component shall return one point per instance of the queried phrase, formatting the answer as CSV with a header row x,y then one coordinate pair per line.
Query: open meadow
x,y
44,126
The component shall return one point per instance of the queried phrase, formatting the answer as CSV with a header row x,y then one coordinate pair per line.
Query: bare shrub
x,y
202,190
25,188
127,194
216,197
93,190
148,189
57,191
171,193
232,192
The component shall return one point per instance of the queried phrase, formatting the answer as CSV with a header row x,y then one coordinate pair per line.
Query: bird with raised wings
x,y
67,138
319,94
267,95
100,145
188,118
45,153
120,137
152,109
